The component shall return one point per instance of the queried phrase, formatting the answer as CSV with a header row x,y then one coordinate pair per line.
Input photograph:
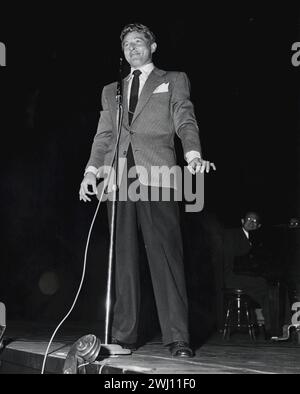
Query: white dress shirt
x,y
146,71
246,232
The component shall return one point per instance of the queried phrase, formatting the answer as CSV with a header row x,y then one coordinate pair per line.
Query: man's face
x,y
251,222
137,49
293,222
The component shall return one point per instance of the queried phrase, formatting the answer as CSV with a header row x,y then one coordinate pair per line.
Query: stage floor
x,y
25,345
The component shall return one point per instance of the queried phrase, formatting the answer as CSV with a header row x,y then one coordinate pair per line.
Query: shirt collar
x,y
145,70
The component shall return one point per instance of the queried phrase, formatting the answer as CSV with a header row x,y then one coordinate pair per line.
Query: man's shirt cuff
x,y
191,155
92,169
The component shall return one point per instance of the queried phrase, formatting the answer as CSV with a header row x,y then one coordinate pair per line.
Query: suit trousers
x,y
159,223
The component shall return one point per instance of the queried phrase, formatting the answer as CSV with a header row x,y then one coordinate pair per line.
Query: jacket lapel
x,y
113,103
155,79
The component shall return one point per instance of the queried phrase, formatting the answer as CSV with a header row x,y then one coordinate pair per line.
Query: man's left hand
x,y
201,165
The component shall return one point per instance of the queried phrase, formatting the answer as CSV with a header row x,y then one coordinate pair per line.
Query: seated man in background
x,y
243,257
292,261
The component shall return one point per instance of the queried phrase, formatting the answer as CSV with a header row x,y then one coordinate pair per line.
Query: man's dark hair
x,y
139,28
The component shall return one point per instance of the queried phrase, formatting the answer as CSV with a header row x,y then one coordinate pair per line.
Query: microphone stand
x,y
114,348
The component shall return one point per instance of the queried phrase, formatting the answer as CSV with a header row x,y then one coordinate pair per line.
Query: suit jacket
x,y
242,256
236,245
158,116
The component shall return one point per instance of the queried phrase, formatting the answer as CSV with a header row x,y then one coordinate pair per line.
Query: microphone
x,y
121,65
120,83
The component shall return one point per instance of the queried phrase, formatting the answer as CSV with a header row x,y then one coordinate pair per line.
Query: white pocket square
x,y
164,87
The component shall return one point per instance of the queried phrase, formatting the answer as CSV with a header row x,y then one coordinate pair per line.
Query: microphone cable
x,y
119,121
80,284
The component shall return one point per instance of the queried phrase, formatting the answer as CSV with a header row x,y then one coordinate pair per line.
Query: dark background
x,y
246,96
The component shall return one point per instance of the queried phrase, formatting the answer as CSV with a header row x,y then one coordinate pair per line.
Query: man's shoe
x,y
130,346
180,349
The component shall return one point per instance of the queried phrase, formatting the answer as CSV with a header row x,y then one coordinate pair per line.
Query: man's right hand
x,y
84,192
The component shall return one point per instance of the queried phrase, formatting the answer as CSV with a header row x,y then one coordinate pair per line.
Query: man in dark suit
x,y
156,106
243,257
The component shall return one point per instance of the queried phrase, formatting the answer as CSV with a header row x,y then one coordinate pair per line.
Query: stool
x,y
239,313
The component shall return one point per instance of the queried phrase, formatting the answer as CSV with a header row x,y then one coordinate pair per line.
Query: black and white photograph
x,y
150,191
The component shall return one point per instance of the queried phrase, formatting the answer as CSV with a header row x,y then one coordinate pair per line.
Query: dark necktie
x,y
134,94
251,238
